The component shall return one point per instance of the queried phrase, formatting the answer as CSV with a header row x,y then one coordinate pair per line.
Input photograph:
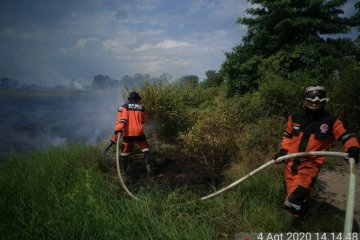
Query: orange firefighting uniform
x,y
130,119
307,132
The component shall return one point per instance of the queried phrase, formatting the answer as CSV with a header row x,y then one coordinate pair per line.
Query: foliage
x,y
240,70
60,194
169,107
309,60
344,95
213,79
288,37
101,82
355,20
189,81
260,138
280,97
9,83
279,23
252,123
213,132
105,82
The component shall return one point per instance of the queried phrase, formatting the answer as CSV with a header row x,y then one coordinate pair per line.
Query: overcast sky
x,y
49,42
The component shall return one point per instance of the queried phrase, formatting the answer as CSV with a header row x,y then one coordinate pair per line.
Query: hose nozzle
x,y
108,146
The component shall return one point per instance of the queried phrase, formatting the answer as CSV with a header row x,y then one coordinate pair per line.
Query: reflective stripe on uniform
x,y
292,205
346,136
286,134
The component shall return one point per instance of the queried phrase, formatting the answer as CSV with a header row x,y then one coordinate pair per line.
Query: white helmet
x,y
315,93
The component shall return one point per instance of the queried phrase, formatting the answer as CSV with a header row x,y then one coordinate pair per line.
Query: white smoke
x,y
34,123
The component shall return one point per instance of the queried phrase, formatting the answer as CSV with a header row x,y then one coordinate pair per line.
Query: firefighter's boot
x,y
147,163
123,165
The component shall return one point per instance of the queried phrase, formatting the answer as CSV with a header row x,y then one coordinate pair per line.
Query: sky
x,y
51,42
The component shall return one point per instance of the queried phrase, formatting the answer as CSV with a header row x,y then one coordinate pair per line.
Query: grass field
x,y
61,193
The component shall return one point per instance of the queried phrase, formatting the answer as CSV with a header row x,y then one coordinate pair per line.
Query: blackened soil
x,y
171,171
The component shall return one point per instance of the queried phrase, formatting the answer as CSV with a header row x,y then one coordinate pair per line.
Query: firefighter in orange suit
x,y
114,136
312,129
130,125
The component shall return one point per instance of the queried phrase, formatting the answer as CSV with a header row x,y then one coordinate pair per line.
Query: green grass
x,y
60,193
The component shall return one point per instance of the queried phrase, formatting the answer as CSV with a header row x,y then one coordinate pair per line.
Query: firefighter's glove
x,y
116,132
281,153
354,153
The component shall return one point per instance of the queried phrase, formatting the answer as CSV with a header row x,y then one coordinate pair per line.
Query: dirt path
x,y
335,183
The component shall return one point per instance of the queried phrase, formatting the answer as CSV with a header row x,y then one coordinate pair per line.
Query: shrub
x,y
213,133
249,108
260,138
169,107
280,97
345,97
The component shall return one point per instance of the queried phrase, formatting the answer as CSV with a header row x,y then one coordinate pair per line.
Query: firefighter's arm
x,y
348,140
145,117
286,140
121,120
287,135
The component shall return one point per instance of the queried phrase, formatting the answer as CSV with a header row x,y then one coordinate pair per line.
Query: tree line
x,y
297,41
99,82
289,46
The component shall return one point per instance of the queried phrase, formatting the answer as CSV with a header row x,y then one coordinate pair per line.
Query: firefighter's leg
x,y
298,188
126,147
296,201
148,166
144,146
123,164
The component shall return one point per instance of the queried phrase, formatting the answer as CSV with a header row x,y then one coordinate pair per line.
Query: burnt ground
x,y
202,176
193,173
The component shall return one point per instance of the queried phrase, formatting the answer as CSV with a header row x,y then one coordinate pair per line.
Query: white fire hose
x,y
119,171
351,189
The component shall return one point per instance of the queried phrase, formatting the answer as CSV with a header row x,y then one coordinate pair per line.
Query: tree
x,y
213,79
289,22
9,83
104,81
290,29
355,20
166,77
189,80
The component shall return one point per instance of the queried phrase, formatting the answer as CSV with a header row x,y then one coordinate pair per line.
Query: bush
x,y
280,97
213,133
260,138
249,108
169,107
345,97
241,127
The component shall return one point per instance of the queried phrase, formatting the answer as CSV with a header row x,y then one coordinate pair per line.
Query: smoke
x,y
76,85
36,122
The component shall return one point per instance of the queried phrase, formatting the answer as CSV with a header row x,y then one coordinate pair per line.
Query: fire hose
x,y
351,188
119,171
